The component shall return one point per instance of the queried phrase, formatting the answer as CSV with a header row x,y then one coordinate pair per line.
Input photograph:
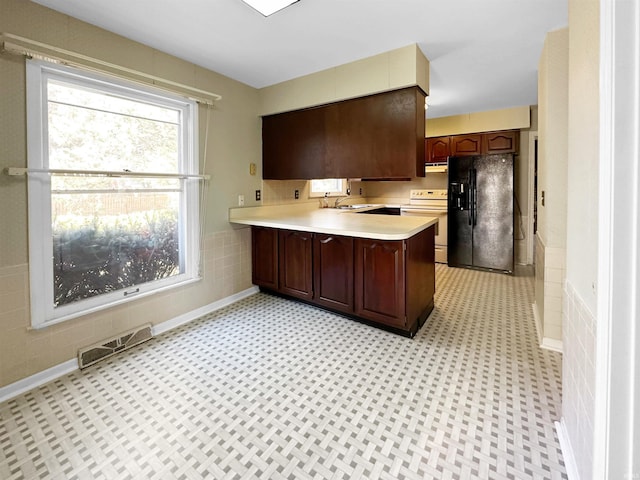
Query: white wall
x,y
582,192
579,321
552,184
552,153
617,404
601,387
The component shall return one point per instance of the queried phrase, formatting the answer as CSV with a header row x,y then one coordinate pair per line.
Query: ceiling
x,y
483,53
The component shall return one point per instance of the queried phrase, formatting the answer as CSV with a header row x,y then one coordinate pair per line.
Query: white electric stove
x,y
431,203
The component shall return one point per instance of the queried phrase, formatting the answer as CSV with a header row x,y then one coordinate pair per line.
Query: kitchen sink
x,y
383,211
356,206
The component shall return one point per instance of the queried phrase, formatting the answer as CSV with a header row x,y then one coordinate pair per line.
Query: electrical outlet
x,y
241,200
296,194
257,195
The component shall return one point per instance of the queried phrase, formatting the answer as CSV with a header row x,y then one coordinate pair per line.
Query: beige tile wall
x,y
279,192
233,143
282,192
583,251
226,270
579,377
550,277
554,275
539,291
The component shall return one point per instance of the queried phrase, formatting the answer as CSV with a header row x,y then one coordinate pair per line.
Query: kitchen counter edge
x,y
332,221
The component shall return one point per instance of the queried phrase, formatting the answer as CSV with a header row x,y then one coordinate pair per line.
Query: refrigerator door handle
x,y
470,199
474,206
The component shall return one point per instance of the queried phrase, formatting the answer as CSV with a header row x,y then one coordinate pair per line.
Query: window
x,y
334,187
96,240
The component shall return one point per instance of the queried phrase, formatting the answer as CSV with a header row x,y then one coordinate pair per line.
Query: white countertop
x,y
332,221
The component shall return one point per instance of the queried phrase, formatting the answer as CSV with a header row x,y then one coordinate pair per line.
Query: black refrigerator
x,y
480,213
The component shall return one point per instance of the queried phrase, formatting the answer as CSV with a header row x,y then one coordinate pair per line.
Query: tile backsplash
x,y
277,192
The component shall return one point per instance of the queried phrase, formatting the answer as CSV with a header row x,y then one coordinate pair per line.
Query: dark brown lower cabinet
x,y
264,257
333,272
380,281
420,275
295,263
389,283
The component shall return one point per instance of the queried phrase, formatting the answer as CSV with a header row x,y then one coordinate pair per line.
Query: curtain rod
x,y
20,171
17,45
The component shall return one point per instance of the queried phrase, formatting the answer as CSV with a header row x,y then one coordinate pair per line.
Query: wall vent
x,y
92,354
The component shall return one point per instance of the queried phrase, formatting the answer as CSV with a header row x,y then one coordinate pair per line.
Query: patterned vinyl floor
x,y
271,389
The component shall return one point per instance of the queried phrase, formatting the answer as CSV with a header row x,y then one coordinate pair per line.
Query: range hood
x,y
435,168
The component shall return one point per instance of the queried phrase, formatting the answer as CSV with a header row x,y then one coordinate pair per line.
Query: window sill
x,y
125,299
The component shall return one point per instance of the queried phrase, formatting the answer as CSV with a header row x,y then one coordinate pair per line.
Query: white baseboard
x,y
14,389
551,344
544,342
35,380
567,452
199,312
537,321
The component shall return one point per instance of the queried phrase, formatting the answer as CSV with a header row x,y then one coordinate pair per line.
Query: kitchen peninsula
x,y
375,268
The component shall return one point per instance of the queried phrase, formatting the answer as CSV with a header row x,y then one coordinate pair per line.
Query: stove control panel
x,y
436,194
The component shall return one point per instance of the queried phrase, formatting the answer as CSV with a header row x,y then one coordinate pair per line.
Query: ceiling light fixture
x,y
269,7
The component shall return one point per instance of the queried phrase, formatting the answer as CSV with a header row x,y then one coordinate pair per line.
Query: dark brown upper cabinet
x,y
438,149
294,145
466,144
501,142
377,136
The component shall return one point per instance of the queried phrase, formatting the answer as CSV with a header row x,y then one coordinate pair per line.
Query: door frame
x,y
533,137
616,448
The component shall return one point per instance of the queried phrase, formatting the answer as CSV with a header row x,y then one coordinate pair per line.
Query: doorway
x,y
532,210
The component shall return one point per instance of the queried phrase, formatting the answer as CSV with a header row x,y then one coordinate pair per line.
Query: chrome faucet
x,y
338,200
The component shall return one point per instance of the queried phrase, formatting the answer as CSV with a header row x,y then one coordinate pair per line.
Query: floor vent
x,y
89,355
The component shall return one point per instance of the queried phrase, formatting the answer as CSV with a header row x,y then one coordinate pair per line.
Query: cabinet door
x,y
264,257
501,142
380,281
377,136
466,145
295,255
420,274
333,272
294,145
438,149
